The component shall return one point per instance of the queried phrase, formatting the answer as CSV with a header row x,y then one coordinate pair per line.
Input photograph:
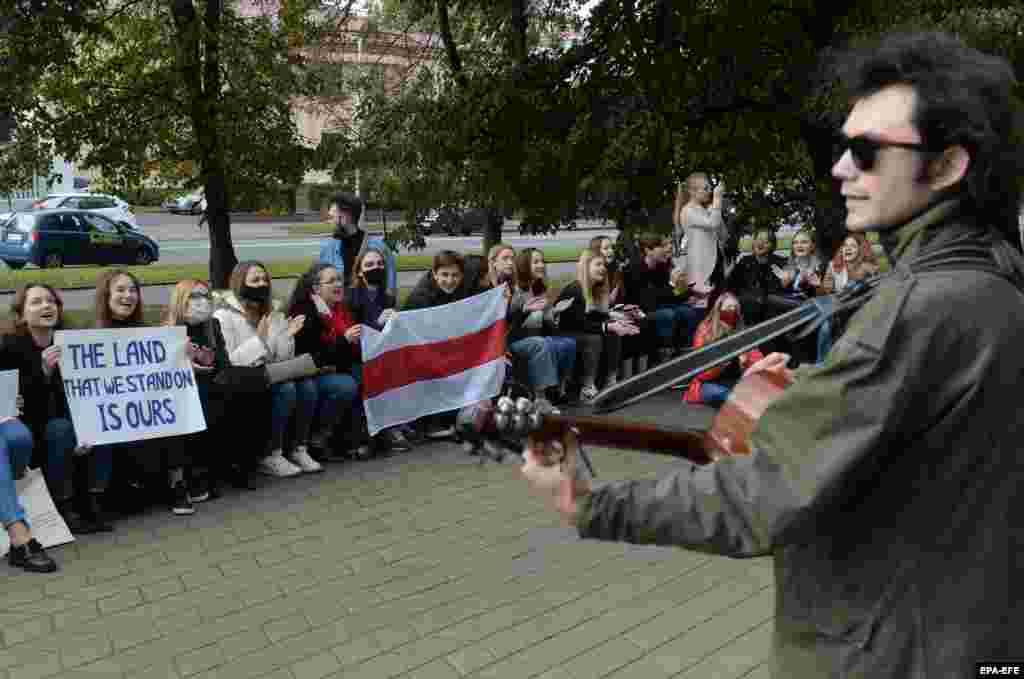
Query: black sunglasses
x,y
864,150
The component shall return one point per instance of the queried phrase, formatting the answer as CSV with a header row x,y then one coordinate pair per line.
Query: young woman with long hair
x,y
256,333
38,314
331,336
712,387
587,312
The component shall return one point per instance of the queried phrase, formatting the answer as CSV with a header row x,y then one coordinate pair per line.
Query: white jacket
x,y
244,346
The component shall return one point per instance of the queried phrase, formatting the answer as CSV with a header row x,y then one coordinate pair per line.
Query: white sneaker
x,y
275,465
303,461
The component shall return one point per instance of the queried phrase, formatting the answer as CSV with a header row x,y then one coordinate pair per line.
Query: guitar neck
x,y
621,433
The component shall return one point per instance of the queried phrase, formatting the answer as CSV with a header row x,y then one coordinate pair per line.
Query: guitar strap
x,y
803,321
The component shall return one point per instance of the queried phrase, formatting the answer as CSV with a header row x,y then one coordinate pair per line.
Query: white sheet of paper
x,y
48,526
8,393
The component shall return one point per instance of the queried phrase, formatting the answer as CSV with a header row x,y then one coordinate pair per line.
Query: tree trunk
x,y
202,79
829,214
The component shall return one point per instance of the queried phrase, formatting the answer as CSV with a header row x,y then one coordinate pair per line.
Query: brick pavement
x,y
420,566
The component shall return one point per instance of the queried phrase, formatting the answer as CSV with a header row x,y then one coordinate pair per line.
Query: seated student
x,y
349,239
476,275
754,278
535,355
531,319
802,276
712,387
370,304
648,285
191,305
256,333
588,313
330,336
15,455
854,262
138,463
605,246
443,284
38,313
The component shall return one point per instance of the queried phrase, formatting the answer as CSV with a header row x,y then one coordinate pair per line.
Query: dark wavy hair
x,y
21,297
964,97
524,268
303,291
105,319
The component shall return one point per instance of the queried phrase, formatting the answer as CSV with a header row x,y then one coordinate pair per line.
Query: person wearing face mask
x,y
349,239
38,314
531,318
443,284
371,305
755,277
712,387
191,305
699,217
331,336
256,333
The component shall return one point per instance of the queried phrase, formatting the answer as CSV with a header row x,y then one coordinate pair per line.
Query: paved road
x,y
421,566
266,249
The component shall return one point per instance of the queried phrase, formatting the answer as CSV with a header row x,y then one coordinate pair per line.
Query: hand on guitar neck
x,y
551,469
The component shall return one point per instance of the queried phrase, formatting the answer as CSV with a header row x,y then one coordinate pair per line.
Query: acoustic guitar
x,y
729,434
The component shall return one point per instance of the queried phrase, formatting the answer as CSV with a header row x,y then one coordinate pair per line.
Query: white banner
x,y
129,384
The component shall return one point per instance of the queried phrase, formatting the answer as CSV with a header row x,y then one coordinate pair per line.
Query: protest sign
x,y
129,384
9,393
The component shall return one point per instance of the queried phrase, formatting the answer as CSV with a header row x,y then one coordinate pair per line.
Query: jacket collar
x,y
905,241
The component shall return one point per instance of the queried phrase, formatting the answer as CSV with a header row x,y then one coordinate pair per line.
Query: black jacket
x,y
426,294
648,288
752,275
44,396
309,340
358,302
576,318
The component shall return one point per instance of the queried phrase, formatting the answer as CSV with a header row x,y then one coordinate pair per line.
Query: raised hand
x,y
51,357
353,334
295,324
263,327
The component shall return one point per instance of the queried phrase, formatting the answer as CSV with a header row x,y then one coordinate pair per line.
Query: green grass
x,y
164,274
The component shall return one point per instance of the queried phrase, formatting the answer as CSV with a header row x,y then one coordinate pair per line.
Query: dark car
x,y
455,220
53,238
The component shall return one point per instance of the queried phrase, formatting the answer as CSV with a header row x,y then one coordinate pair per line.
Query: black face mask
x,y
257,295
375,276
612,266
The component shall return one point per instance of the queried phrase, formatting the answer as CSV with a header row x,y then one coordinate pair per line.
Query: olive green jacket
x,y
887,483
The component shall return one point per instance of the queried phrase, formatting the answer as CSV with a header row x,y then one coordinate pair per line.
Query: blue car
x,y
52,238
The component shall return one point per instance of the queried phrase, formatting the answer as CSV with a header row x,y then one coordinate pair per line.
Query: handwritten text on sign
x,y
129,384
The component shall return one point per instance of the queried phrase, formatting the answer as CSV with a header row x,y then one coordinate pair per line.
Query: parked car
x,y
189,204
53,238
454,220
109,206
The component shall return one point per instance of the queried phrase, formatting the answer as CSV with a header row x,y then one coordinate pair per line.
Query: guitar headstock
x,y
521,417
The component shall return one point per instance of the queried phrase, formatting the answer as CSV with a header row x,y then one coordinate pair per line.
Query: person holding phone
x,y
700,219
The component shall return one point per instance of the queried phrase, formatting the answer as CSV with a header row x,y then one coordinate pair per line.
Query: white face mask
x,y
199,311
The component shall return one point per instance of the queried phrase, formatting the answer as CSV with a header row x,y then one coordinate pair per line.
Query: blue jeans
x,y
60,446
716,393
322,399
542,368
670,319
283,399
15,454
824,340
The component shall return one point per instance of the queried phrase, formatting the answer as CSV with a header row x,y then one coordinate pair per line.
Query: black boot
x,y
32,557
91,515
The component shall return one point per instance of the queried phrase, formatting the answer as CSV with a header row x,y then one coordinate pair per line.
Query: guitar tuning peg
x,y
519,423
501,421
523,405
535,420
506,405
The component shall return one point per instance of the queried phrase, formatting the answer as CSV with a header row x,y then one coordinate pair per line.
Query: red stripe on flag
x,y
432,360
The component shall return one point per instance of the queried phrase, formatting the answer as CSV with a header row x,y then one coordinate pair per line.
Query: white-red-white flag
x,y
434,360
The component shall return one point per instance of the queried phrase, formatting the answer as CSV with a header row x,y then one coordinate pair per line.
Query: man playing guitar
x,y
886,483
